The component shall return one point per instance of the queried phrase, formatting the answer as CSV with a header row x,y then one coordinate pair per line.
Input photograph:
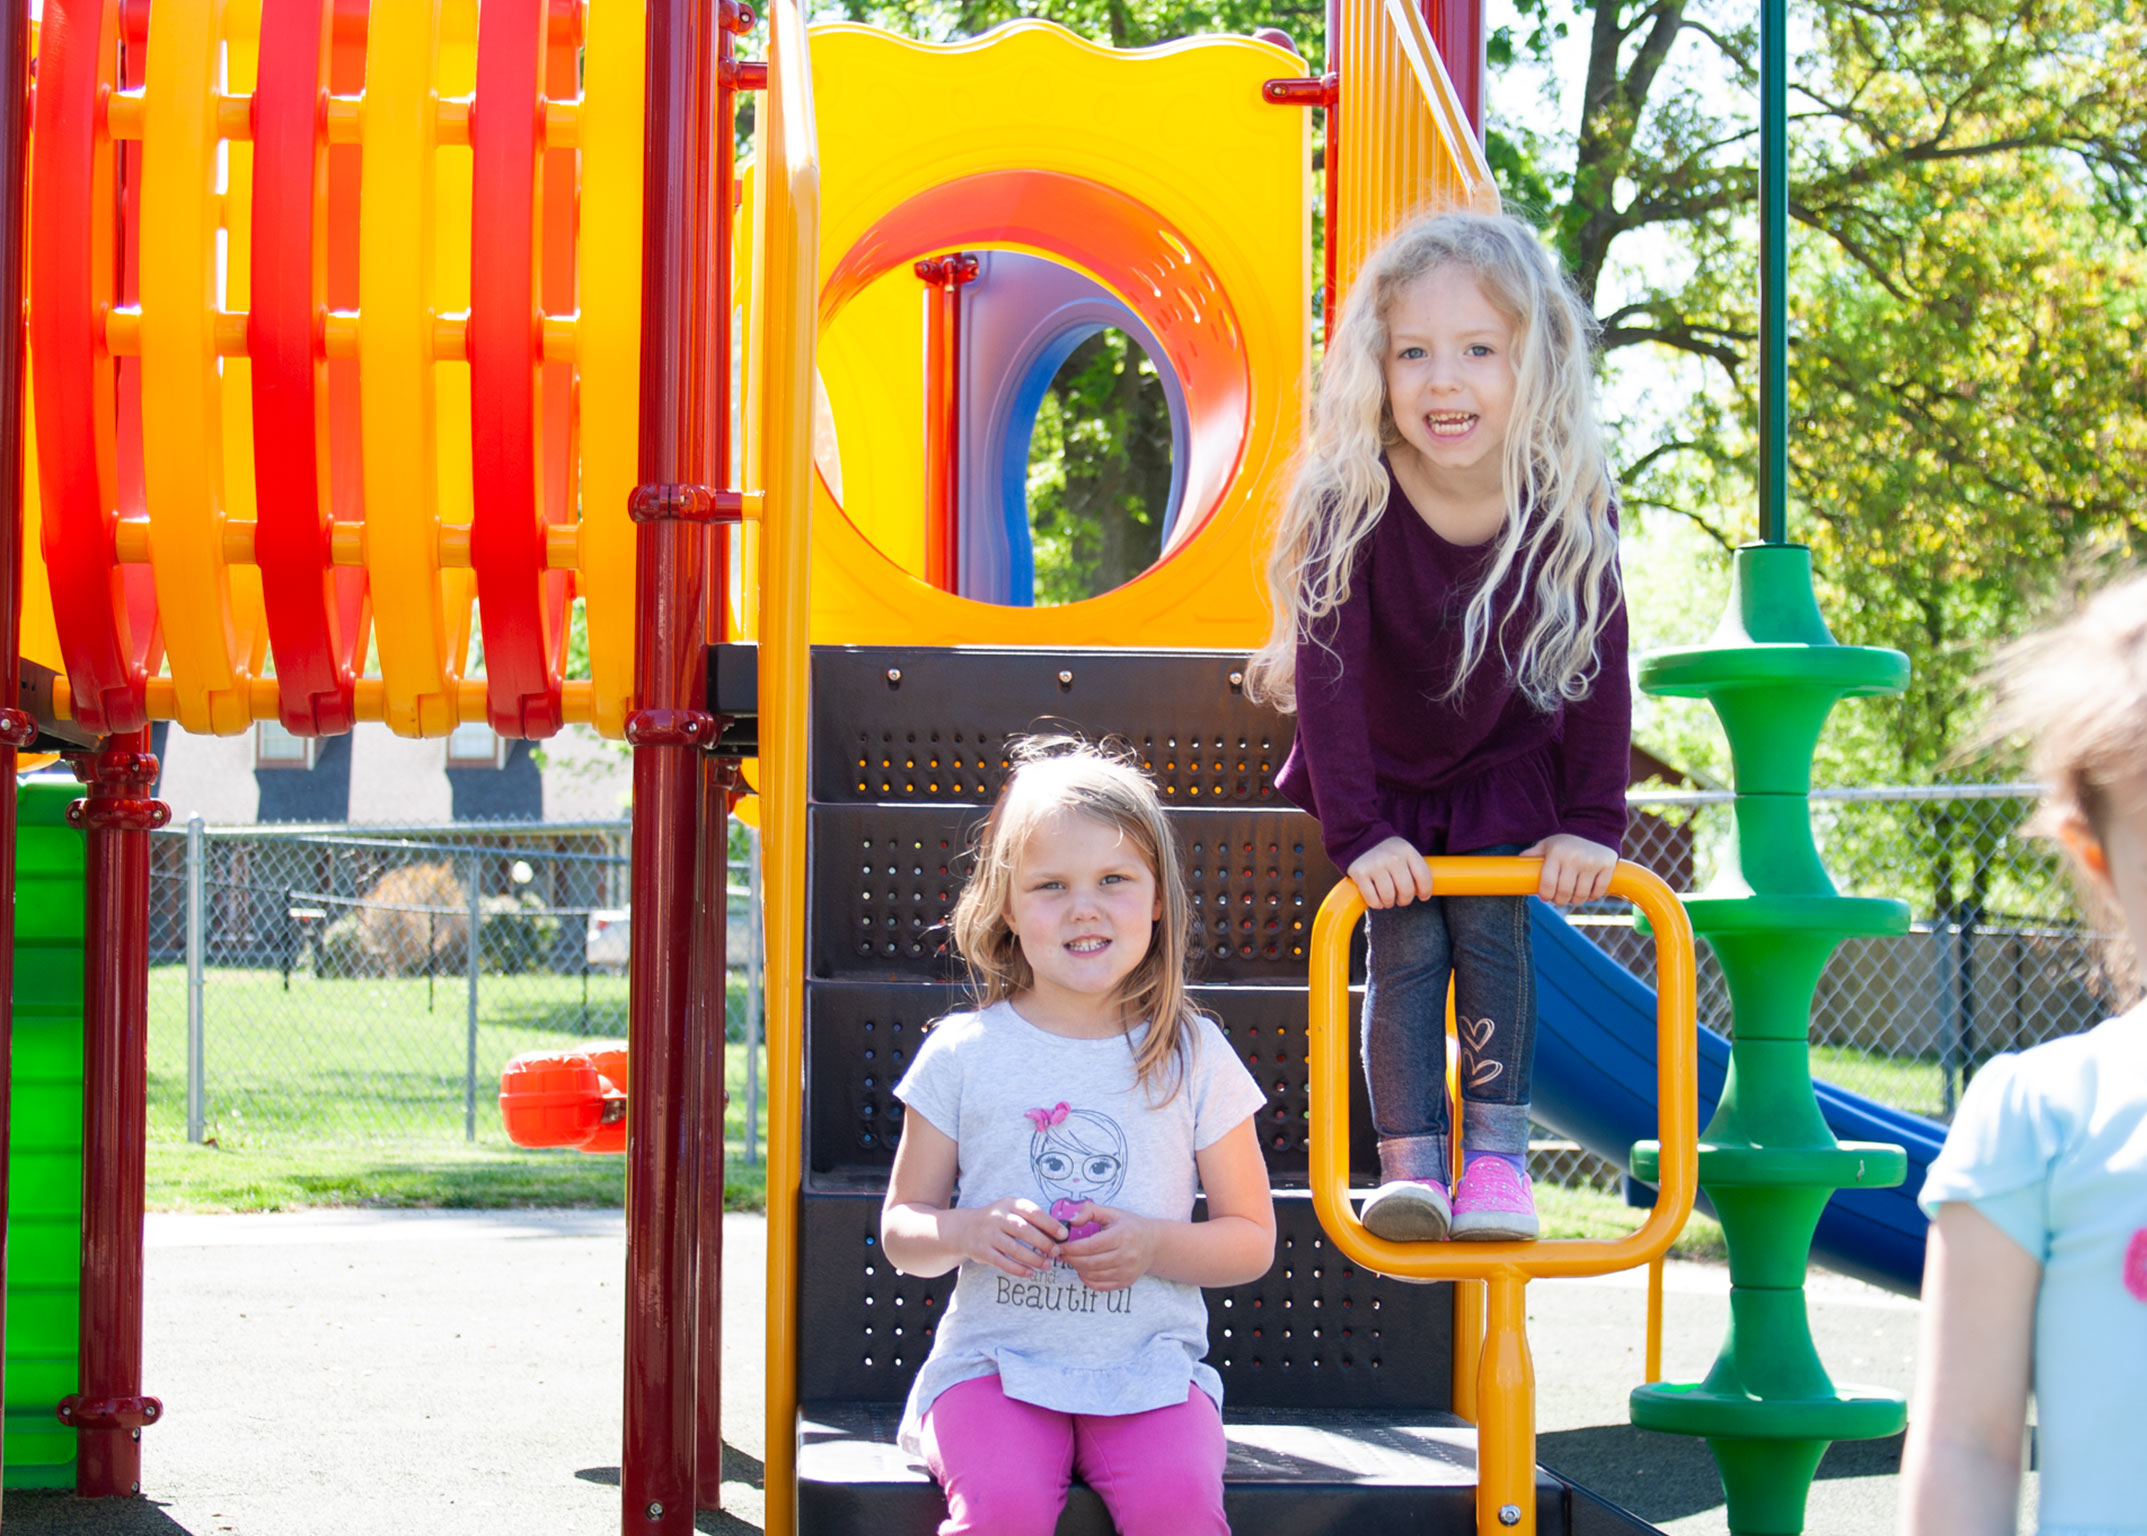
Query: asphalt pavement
x,y
362,1372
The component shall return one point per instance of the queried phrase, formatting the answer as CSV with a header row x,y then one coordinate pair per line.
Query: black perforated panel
x,y
884,879
1315,1332
860,1036
931,726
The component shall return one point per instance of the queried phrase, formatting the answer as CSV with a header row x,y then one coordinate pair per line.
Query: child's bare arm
x,y
1960,1469
923,1236
1234,1245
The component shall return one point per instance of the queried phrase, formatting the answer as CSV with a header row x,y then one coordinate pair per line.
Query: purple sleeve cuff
x,y
1598,827
1357,847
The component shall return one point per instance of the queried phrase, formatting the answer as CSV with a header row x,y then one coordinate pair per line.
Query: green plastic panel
x,y
45,1150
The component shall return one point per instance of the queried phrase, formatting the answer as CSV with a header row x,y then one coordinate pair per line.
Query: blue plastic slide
x,y
1595,1083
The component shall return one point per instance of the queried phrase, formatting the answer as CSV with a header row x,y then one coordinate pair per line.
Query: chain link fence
x,y
2000,954
348,983
370,982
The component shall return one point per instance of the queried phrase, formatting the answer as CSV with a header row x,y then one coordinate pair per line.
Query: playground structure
x,y
461,372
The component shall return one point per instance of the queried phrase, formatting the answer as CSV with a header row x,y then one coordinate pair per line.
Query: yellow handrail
x,y
1505,1383
788,215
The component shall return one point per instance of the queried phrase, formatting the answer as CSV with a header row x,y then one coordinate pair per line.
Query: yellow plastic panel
x,y
1406,147
455,169
209,621
40,634
398,394
872,350
1153,125
242,52
608,342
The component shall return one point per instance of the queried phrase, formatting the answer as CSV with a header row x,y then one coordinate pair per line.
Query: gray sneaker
x,y
1408,1211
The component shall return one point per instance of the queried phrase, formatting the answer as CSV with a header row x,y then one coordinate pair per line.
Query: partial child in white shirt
x,y
1052,1144
2036,1275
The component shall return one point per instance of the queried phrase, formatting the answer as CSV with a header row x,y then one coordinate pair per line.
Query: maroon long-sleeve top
x,y
1379,754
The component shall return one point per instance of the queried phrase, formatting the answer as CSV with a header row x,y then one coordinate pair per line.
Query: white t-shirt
x,y
1048,1118
2051,1145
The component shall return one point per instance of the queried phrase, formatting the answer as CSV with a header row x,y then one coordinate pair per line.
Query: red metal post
x,y
719,778
668,729
15,727
943,415
1457,29
719,781
118,815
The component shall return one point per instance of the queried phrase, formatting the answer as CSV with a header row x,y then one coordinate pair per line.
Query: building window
x,y
275,747
475,746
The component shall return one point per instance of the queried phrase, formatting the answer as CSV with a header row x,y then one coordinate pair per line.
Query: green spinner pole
x,y
1768,1162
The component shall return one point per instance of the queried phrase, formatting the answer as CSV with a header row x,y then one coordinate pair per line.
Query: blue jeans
x,y
1482,943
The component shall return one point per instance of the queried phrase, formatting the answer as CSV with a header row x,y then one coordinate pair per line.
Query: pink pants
x,y
1005,1465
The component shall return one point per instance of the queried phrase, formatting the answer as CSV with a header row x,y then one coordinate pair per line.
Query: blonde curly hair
x,y
1558,532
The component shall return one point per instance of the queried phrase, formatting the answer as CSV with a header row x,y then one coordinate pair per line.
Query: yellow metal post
x,y
784,339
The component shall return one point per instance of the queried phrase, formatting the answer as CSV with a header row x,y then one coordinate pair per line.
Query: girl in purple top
x,y
1450,631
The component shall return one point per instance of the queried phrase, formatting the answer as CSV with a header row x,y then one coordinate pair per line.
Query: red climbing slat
x,y
72,276
290,368
516,601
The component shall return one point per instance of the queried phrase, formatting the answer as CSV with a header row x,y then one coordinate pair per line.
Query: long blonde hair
x,y
1059,773
1558,532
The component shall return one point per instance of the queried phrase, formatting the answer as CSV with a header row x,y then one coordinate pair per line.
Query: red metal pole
x,y
16,729
110,1410
1457,28
719,780
668,729
719,777
943,416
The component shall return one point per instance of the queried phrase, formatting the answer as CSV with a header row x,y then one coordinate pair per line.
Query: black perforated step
x,y
1316,1331
859,1037
885,877
1335,1472
893,724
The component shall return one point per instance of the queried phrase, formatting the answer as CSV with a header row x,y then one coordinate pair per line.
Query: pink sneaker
x,y
1407,1211
1492,1204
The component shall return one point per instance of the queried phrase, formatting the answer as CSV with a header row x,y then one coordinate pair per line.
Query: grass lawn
x,y
1913,1083
1590,1213
353,1092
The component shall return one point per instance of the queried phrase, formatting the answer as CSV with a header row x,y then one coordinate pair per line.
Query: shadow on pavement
x,y
62,1514
738,1467
1667,1477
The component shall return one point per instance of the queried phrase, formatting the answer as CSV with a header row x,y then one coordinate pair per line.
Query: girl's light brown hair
x,y
1058,773
2077,692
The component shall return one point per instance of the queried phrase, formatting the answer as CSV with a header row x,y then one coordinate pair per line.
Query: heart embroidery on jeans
x,y
2136,1265
1476,1035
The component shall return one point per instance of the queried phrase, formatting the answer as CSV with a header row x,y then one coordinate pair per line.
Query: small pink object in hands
x,y
1065,1211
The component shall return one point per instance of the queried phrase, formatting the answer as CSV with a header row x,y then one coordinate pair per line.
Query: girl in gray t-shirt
x,y
1053,1142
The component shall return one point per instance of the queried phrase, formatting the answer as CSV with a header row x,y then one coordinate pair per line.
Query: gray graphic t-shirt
x,y
1051,1119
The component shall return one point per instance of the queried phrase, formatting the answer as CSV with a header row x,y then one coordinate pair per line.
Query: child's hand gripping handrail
x,y
1505,1493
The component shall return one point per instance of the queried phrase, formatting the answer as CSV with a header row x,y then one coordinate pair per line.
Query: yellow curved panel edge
x,y
39,635
1154,124
208,638
242,51
608,338
40,632
454,167
397,256
872,358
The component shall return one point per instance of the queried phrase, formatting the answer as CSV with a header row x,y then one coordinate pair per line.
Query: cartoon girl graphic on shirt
x,y
1077,1155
